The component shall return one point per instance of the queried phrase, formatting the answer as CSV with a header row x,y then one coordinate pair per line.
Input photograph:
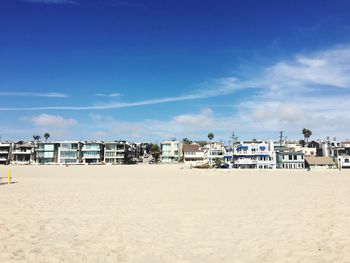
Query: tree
x,y
210,136
217,162
46,136
186,141
307,133
155,152
36,138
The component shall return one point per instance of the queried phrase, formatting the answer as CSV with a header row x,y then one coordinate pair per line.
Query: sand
x,y
162,213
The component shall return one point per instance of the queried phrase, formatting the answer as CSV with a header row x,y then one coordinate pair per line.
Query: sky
x,y
159,69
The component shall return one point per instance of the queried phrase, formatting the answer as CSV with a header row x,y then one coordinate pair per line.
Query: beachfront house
x,y
170,151
92,152
344,162
192,153
5,152
214,150
288,159
254,155
46,152
117,152
319,162
23,153
69,152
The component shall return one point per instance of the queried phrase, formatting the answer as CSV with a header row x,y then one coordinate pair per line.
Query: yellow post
x,y
9,177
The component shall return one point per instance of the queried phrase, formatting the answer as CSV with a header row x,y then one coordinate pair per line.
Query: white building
x,y
344,162
213,151
170,151
192,153
116,152
5,152
46,152
254,155
290,160
69,152
92,152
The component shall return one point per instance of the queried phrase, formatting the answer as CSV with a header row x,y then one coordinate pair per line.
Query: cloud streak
x,y
33,94
112,95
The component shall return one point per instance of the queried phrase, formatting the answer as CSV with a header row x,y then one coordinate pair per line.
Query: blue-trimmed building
x,y
254,155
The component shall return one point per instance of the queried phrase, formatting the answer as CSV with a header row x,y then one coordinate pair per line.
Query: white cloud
x,y
108,95
46,120
33,94
59,2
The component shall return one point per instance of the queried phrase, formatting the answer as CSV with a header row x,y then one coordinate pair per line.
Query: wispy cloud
x,y
33,94
47,120
111,95
58,2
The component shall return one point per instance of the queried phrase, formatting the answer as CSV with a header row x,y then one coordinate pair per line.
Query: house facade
x,y
23,153
69,152
117,152
254,155
5,152
46,152
92,152
170,151
192,153
290,160
319,163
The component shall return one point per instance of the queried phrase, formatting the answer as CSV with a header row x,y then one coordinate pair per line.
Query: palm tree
x,y
36,138
46,135
210,136
307,133
186,141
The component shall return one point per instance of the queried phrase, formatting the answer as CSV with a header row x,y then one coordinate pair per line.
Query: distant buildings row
x,y
254,154
257,154
71,152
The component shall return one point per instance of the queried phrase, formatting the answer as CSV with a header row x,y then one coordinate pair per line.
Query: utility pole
x,y
281,138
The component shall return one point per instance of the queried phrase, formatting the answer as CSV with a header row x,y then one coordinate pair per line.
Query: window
x,y
346,161
295,157
290,157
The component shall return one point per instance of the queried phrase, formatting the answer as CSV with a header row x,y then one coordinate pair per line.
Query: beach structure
x,y
192,153
254,155
92,152
319,162
214,150
23,153
290,159
5,152
117,152
46,152
170,151
69,152
344,162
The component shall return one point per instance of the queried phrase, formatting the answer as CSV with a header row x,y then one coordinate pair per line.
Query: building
x,y
290,160
192,153
254,155
69,152
319,163
5,152
117,152
344,162
92,152
23,153
214,150
46,152
170,151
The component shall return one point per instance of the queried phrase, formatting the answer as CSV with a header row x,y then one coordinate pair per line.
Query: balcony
x,y
22,152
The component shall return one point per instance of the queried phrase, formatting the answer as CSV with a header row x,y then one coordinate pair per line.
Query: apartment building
x,y
23,153
46,152
192,153
290,160
170,151
69,152
254,155
117,152
214,150
5,152
92,152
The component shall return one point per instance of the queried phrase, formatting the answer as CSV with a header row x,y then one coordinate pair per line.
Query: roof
x,y
191,148
319,160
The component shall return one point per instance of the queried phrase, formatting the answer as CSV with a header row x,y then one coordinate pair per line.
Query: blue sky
x,y
152,70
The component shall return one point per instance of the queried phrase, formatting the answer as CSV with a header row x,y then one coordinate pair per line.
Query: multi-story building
x,y
23,153
214,150
192,153
254,155
5,152
92,152
69,152
290,160
170,151
46,152
117,152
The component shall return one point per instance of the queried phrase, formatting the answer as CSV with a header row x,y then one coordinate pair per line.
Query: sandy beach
x,y
162,213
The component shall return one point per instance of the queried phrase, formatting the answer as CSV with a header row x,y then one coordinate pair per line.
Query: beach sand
x,y
162,213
